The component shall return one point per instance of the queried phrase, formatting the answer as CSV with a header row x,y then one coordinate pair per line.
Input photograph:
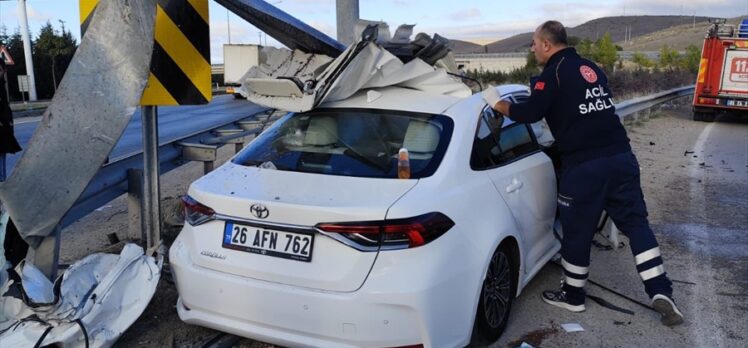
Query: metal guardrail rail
x,y
630,107
112,179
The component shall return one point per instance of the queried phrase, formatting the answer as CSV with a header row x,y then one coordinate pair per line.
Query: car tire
x,y
496,298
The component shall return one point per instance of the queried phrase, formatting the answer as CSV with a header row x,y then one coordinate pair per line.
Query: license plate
x,y
288,245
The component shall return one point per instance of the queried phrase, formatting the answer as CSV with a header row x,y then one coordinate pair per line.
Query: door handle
x,y
514,186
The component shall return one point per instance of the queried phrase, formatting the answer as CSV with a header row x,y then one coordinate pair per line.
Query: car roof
x,y
397,98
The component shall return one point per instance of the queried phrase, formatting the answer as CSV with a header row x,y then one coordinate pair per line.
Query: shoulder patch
x,y
539,86
588,74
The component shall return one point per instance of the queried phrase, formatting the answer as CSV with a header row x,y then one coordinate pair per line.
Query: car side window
x,y
485,145
494,146
515,142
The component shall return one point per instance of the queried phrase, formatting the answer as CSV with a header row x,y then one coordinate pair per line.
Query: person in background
x,y
8,142
598,169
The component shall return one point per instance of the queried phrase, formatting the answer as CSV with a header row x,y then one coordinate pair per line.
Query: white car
x,y
309,237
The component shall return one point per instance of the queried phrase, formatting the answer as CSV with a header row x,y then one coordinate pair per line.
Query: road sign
x,y
180,65
5,55
23,83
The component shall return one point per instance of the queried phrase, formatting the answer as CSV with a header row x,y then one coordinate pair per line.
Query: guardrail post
x,y
202,153
47,255
238,142
151,219
134,206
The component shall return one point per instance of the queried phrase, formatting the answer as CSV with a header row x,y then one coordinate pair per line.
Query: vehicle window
x,y
493,147
516,141
351,142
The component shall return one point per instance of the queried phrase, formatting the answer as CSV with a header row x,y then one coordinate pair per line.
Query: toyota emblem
x,y
260,211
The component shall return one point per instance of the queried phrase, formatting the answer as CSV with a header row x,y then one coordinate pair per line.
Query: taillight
x,y
392,234
703,100
196,213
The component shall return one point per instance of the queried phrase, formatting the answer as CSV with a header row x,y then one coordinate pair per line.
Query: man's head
x,y
549,38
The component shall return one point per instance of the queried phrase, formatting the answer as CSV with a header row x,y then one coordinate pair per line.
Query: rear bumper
x,y
395,307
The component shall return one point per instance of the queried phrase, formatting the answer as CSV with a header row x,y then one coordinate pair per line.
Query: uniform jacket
x,y
8,143
572,94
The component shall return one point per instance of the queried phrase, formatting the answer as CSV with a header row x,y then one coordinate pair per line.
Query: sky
x,y
475,20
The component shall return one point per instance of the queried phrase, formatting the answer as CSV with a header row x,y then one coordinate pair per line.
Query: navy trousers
x,y
613,184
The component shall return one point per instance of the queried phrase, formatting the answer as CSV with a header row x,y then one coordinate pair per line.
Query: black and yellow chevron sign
x,y
180,66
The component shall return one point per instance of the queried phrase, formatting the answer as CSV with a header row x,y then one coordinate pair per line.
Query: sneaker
x,y
664,305
558,299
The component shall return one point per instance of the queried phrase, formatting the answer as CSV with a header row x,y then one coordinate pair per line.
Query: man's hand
x,y
492,98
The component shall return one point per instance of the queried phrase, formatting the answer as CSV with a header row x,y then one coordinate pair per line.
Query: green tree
x,y
14,44
605,52
669,58
642,60
532,62
53,51
585,48
691,59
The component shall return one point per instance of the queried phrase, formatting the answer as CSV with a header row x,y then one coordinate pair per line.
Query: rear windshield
x,y
351,142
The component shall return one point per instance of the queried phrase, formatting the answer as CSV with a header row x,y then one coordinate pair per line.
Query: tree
x,y
585,48
605,52
669,58
642,60
532,62
691,60
53,51
14,44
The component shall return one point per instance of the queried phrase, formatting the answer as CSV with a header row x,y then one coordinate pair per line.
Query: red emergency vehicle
x,y
722,83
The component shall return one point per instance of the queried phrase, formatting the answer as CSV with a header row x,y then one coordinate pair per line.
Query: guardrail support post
x,y
202,153
151,218
47,255
134,206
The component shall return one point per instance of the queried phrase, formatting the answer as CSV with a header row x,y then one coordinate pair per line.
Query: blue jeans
x,y
2,167
609,183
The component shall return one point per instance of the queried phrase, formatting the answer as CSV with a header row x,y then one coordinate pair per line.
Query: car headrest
x,y
421,137
322,131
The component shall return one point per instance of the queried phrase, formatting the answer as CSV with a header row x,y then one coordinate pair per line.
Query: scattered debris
x,y
572,327
90,305
535,337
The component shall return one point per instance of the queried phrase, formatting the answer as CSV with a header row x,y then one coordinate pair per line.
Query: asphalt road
x,y
174,122
695,181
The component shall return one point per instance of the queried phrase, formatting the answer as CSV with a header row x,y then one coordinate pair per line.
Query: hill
x,y
678,37
596,28
466,47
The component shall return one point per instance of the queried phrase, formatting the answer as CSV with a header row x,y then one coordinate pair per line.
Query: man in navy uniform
x,y
598,170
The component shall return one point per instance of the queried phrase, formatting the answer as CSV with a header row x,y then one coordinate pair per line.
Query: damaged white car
x,y
392,209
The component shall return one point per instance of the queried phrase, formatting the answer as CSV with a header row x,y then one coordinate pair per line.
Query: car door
x,y
523,176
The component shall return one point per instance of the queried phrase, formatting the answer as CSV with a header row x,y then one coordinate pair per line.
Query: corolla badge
x,y
260,211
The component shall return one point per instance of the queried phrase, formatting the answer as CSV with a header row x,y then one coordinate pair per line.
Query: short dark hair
x,y
554,32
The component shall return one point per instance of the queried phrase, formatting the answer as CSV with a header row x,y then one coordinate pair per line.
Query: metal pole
x,y
24,22
228,26
347,16
151,216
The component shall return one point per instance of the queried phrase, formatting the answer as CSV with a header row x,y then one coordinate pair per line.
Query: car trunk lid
x,y
233,190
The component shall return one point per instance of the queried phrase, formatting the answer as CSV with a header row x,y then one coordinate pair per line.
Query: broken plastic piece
x,y
572,327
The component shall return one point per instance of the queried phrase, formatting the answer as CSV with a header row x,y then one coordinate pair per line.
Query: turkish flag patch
x,y
539,86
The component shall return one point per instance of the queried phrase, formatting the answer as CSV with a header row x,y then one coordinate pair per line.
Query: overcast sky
x,y
464,19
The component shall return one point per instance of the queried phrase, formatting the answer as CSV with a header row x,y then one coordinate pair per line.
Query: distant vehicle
x,y
237,60
323,232
722,83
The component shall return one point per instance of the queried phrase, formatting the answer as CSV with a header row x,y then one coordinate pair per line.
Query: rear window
x,y
351,142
